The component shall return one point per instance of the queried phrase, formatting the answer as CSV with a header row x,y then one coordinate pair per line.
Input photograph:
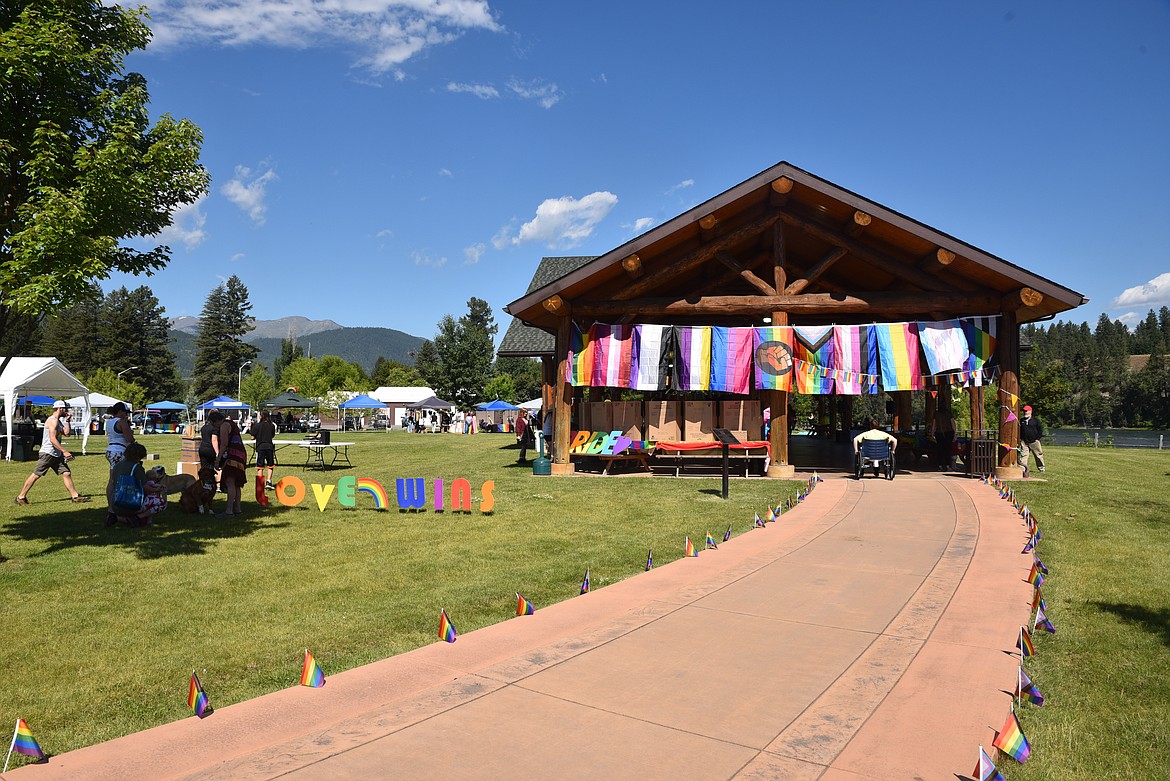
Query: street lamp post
x,y
240,380
129,369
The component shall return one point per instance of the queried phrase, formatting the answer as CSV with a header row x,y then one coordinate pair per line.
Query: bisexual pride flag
x,y
23,742
311,672
1011,740
523,606
446,628
692,353
651,348
898,355
855,359
731,360
773,357
196,697
613,352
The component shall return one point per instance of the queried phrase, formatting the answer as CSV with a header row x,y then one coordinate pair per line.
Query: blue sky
x,y
377,163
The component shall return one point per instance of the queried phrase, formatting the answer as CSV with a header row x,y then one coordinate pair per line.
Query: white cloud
x,y
561,222
482,91
384,233
446,172
238,256
472,254
641,224
1130,319
186,226
547,95
386,33
1156,291
248,190
426,260
685,183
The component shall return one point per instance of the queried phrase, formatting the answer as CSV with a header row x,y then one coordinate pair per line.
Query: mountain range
x,y
362,346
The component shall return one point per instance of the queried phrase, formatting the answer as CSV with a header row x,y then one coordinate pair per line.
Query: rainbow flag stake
x,y
196,697
311,673
446,628
23,742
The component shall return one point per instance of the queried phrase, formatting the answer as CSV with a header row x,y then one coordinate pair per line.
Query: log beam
x,y
747,274
881,260
689,261
881,302
814,273
859,223
1024,297
779,256
633,265
936,261
780,189
554,305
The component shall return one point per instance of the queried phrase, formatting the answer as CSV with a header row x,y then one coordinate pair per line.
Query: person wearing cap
x,y
1031,430
53,455
119,434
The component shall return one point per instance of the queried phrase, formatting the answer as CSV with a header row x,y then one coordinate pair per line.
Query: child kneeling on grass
x,y
154,497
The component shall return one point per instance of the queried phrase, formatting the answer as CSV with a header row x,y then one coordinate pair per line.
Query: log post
x,y
777,400
1008,348
904,411
562,401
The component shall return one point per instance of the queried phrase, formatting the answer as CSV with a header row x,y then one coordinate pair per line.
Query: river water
x,y
1122,437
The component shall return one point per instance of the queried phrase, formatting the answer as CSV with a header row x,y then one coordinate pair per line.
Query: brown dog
x,y
197,496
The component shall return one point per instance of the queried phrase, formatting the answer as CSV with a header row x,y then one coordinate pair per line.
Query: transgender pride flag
x,y
613,352
651,346
898,349
731,359
692,356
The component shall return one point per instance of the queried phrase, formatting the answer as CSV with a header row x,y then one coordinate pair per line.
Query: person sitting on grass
x,y
154,494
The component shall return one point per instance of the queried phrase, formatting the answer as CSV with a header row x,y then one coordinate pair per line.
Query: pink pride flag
x,y
613,353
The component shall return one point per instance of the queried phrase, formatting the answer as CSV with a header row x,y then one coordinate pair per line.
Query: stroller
x,y
875,454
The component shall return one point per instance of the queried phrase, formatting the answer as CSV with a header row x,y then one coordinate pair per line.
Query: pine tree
x,y
220,349
134,333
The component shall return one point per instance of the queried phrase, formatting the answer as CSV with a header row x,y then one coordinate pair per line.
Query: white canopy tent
x,y
533,405
98,402
41,376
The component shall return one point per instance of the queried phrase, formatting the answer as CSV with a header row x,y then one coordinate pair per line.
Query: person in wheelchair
x,y
875,448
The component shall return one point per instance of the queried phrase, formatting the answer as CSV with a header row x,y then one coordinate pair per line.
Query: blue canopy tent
x,y
222,403
361,401
36,401
167,407
496,406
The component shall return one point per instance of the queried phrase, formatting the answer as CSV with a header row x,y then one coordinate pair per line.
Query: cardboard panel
x,y
663,423
700,421
627,418
600,415
743,418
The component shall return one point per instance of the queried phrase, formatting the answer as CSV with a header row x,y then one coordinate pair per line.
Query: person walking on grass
x,y
53,455
264,432
1031,431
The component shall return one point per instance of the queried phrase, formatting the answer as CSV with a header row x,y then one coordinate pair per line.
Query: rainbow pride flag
x,y
759,522
523,606
1024,643
898,353
446,628
692,353
689,549
1026,690
650,560
23,741
1034,576
613,354
585,583
731,360
772,350
770,516
986,770
579,366
311,672
1037,599
1011,740
196,697
1042,622
727,534
711,542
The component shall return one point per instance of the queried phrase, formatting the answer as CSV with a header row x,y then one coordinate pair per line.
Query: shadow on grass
x,y
1154,620
174,533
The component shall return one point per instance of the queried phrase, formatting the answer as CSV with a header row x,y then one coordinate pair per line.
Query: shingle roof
x,y
524,341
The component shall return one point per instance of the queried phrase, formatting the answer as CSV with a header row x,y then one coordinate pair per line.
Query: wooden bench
x,y
681,454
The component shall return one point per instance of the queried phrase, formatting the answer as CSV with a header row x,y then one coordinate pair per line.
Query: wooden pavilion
x,y
795,248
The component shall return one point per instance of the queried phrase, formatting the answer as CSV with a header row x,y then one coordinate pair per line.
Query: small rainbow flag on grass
x,y
523,606
1024,643
727,534
1037,599
649,559
196,697
1011,740
585,583
770,517
1027,690
986,770
689,549
446,628
23,742
1039,564
1042,621
1030,544
759,522
311,672
711,542
1034,577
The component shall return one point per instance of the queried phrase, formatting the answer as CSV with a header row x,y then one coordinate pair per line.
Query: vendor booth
x,y
360,402
43,376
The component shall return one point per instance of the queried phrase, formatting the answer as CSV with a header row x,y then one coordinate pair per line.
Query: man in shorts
x,y
53,455
263,432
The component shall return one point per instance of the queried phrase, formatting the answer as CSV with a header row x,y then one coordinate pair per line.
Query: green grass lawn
x,y
102,627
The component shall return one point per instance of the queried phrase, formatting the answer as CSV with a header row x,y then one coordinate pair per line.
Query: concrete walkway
x,y
869,634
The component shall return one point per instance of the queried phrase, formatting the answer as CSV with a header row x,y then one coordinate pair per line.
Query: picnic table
x,y
315,452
